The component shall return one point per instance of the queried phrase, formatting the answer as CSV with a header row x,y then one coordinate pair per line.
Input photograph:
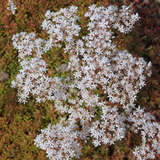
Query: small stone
x,y
3,76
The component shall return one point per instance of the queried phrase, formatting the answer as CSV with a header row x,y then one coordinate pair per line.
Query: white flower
x,y
11,6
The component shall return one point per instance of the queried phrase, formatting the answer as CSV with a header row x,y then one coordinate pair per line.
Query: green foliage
x,y
54,59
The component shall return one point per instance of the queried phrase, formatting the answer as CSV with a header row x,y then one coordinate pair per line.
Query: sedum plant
x,y
97,95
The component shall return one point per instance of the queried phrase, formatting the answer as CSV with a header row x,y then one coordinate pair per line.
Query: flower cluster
x,y
26,44
59,141
150,132
101,81
126,19
61,26
11,6
111,128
